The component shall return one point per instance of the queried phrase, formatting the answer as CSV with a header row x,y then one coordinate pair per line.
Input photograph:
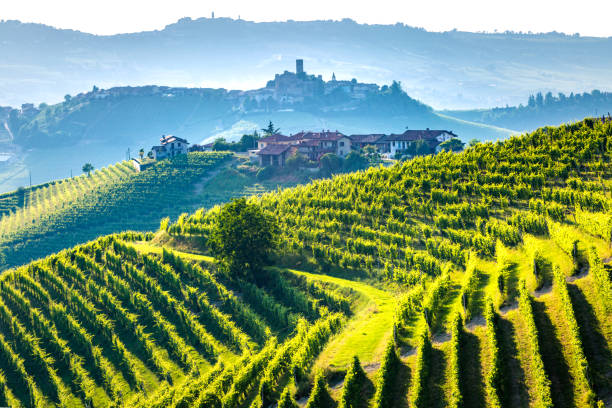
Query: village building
x,y
399,143
275,155
358,142
275,139
171,146
326,142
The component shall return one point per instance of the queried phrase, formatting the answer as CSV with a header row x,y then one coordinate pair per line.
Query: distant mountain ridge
x,y
447,70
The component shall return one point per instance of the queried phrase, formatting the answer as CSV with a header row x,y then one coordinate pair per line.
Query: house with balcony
x,y
170,146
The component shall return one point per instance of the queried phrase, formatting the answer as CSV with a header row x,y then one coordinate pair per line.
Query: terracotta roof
x,y
274,150
412,135
275,138
171,138
324,135
371,138
309,142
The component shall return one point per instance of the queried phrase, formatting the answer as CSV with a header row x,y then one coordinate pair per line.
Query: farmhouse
x,y
274,155
273,149
275,139
410,139
170,146
376,139
326,142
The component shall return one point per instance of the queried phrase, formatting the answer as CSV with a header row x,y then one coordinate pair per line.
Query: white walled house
x,y
397,143
170,146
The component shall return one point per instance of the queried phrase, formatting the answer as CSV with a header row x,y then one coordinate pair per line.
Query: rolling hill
x,y
472,279
38,221
100,126
452,70
542,110
46,218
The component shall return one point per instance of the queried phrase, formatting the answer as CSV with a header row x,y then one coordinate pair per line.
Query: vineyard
x,y
44,219
477,279
103,324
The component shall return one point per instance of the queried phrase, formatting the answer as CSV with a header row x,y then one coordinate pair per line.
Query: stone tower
x,y
299,67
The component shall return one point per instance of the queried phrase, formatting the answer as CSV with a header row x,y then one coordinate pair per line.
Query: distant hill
x,y
542,110
101,125
447,70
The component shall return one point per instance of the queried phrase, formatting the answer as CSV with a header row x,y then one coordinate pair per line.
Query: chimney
x,y
299,66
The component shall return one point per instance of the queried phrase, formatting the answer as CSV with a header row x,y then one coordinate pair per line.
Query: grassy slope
x,y
367,332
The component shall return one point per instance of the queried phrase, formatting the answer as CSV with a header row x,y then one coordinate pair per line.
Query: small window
x,y
342,144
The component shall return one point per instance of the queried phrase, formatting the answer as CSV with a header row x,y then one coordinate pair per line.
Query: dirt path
x,y
198,187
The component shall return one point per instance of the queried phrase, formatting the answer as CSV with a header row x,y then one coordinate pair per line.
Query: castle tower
x,y
334,76
299,66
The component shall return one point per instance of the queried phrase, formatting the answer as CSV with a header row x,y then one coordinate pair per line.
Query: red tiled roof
x,y
318,135
371,138
412,135
171,138
274,150
275,138
309,142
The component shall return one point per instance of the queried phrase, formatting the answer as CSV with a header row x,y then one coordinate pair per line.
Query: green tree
x,y
452,145
249,141
286,400
295,161
330,163
353,386
243,238
355,161
141,153
88,168
396,88
421,147
319,396
474,142
371,152
220,144
270,130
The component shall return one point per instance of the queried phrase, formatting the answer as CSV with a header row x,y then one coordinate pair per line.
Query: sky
x,y
586,17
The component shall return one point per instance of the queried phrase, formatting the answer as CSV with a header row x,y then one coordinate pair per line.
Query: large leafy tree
x,y
452,145
243,238
330,163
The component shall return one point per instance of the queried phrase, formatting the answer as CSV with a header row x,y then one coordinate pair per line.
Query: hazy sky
x,y
587,17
